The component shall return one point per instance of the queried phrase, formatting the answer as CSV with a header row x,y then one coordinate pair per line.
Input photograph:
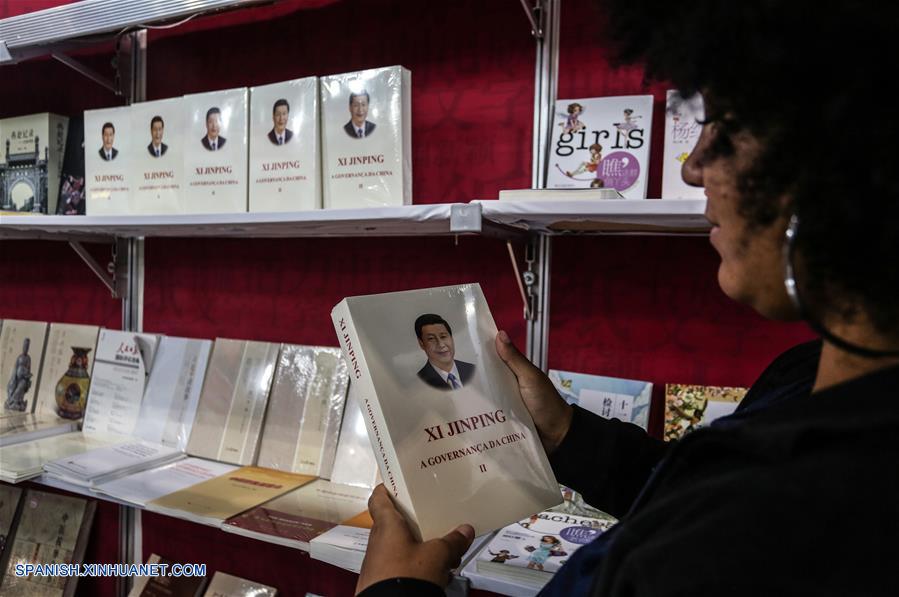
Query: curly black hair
x,y
807,79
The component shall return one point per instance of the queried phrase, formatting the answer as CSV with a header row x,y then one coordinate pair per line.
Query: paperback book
x,y
21,355
531,550
108,159
72,193
52,529
146,486
33,148
157,144
285,171
627,400
367,138
305,408
220,498
215,152
689,407
682,128
454,442
602,142
233,401
355,462
295,518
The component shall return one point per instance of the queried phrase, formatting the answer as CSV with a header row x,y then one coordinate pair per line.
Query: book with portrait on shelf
x,y
157,146
689,407
367,138
52,529
215,152
166,414
118,379
32,149
601,142
627,400
65,382
452,437
233,400
285,171
108,158
683,117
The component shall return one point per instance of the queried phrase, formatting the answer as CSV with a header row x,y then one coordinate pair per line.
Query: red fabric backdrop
x,y
646,308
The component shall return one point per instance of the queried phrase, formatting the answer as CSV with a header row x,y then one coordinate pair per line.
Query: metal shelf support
x,y
535,15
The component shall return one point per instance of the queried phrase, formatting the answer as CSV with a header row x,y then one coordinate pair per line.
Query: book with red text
x,y
454,442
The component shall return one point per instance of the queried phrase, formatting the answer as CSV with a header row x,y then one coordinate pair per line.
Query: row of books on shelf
x,y
339,141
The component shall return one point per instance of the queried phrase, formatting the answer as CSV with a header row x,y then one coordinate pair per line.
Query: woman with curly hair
x,y
797,492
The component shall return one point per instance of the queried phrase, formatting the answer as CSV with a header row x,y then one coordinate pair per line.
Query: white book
x,y
157,146
109,462
285,172
108,159
233,401
25,460
454,442
215,152
627,400
68,364
32,149
305,408
21,354
170,402
602,142
343,546
355,462
682,128
123,362
146,486
367,138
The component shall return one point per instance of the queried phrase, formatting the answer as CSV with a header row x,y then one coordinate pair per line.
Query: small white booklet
x,y
148,485
454,442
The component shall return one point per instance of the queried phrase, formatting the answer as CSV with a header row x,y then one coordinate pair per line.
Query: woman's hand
x,y
551,414
394,553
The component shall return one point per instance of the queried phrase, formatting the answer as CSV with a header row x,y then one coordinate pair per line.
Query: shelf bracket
x,y
535,17
5,56
525,281
88,72
108,275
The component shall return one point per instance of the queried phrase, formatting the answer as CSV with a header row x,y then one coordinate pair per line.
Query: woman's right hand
x,y
551,414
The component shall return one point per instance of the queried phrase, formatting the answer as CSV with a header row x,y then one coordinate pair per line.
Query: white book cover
x,y
111,461
146,486
23,428
33,149
21,355
627,400
233,401
454,442
108,159
682,128
157,144
343,546
355,462
285,172
601,142
123,361
537,546
305,408
367,138
66,372
170,402
25,460
226,585
215,152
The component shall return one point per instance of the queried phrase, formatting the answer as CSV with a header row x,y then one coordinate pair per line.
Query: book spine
x,y
363,388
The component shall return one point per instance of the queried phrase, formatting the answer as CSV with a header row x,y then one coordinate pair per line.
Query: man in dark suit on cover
x,y
156,147
442,371
358,127
213,141
108,152
280,134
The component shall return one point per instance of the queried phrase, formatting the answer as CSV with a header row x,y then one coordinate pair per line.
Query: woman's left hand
x,y
394,553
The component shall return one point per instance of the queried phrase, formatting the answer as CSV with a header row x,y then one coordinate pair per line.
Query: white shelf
x,y
619,216
408,220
